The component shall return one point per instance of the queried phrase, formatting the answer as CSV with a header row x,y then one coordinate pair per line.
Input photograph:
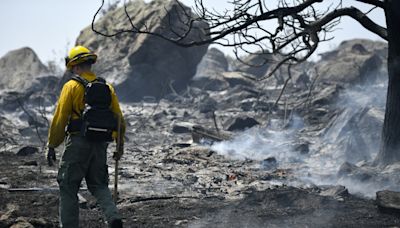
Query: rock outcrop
x,y
353,61
388,201
19,68
209,71
256,64
27,90
260,64
213,73
144,65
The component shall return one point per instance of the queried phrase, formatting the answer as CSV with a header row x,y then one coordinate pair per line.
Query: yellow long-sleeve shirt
x,y
70,104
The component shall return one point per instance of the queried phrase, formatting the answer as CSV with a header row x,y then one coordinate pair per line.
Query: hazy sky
x,y
50,27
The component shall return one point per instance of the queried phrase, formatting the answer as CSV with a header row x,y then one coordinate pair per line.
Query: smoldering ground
x,y
352,136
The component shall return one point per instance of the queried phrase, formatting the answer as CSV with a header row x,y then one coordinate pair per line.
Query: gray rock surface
x,y
353,61
27,92
182,127
27,150
238,78
241,123
256,64
19,68
209,71
334,191
142,65
388,201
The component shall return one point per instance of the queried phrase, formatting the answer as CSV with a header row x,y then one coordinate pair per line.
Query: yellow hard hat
x,y
79,54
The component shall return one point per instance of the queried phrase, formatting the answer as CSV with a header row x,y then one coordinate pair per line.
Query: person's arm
x,y
115,108
61,117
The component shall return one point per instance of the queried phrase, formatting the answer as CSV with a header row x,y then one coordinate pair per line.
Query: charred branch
x,y
357,15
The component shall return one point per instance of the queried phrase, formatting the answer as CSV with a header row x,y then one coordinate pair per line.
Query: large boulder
x,y
213,73
39,92
238,78
388,201
353,61
25,82
19,68
241,123
256,64
209,71
261,64
144,65
356,133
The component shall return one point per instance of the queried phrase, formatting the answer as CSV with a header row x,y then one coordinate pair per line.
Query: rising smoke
x,y
353,136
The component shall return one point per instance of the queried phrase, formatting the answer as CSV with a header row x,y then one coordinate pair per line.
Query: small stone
x,y
181,222
335,191
31,163
4,183
269,163
21,222
27,150
346,169
191,179
208,105
182,144
190,170
302,148
82,202
167,177
182,127
241,123
388,201
217,180
38,222
11,211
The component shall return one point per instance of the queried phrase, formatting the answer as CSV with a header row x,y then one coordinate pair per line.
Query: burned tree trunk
x,y
390,145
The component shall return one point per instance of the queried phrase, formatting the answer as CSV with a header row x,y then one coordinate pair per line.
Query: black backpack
x,y
97,121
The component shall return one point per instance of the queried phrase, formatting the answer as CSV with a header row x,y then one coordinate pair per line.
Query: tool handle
x,y
116,182
117,161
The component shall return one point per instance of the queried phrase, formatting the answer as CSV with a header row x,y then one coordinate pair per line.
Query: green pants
x,y
83,159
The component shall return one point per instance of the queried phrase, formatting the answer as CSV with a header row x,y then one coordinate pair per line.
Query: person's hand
x,y
50,155
119,152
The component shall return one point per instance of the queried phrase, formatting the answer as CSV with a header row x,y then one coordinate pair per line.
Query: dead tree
x,y
300,26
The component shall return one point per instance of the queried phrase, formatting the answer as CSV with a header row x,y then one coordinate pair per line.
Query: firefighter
x,y
81,158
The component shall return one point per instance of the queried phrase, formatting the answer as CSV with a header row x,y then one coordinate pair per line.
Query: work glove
x,y
118,153
50,155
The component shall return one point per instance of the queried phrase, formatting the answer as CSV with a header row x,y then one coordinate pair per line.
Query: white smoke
x,y
259,143
352,137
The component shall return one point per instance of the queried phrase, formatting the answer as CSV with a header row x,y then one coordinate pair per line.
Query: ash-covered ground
x,y
270,175
227,151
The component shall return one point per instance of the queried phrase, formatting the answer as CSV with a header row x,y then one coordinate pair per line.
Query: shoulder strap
x,y
100,79
81,80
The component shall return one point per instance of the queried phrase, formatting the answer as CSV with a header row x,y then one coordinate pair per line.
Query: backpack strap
x,y
81,80
100,79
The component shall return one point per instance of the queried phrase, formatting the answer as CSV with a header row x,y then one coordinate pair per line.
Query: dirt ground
x,y
275,207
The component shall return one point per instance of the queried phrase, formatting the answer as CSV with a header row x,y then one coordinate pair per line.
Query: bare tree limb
x,y
284,85
33,120
357,15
